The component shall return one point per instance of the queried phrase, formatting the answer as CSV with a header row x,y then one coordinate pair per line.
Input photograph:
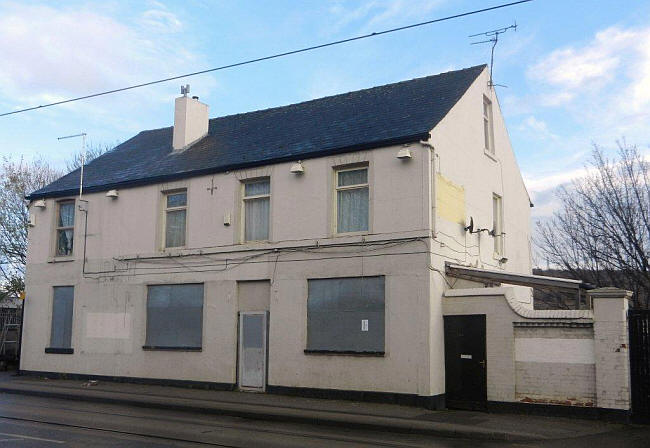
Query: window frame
x,y
58,228
245,198
488,135
166,209
335,195
498,226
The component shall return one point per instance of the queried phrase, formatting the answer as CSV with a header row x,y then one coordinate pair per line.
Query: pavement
x,y
324,413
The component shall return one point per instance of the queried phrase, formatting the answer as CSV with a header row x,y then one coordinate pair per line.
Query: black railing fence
x,y
639,326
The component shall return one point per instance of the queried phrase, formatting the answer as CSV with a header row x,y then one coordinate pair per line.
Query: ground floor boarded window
x,y
62,312
175,317
346,315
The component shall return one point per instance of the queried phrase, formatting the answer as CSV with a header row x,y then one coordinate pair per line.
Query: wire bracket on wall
x,y
493,37
470,227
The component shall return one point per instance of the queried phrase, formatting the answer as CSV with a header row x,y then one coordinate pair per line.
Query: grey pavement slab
x,y
271,407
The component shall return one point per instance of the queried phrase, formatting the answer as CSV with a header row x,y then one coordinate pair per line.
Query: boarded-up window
x,y
175,316
62,307
346,315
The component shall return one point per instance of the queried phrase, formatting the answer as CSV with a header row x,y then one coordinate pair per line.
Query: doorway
x,y
253,337
465,362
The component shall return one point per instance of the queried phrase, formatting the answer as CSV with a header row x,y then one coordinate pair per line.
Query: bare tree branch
x,y
601,234
17,179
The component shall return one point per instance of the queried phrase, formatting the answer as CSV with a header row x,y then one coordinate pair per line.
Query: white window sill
x,y
61,259
255,242
344,234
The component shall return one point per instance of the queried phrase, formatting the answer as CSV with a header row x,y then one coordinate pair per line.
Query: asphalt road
x,y
45,422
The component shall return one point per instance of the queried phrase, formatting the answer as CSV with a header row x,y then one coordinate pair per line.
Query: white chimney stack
x,y
190,120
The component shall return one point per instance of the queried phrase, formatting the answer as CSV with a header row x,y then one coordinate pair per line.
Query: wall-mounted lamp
x,y
113,194
297,168
404,154
39,204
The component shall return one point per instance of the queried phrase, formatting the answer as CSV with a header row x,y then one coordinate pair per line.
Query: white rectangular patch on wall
x,y
108,325
364,324
555,350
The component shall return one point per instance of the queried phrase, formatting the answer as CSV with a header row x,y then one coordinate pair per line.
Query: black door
x,y
639,327
465,360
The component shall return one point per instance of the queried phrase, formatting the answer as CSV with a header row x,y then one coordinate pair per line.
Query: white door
x,y
252,350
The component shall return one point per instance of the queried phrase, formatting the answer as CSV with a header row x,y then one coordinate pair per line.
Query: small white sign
x,y
465,356
364,324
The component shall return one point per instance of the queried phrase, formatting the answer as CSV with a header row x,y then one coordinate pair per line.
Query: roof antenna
x,y
493,36
83,158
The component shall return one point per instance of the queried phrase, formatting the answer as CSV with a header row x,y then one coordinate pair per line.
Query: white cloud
x,y
62,52
606,80
374,13
538,128
591,64
161,20
601,91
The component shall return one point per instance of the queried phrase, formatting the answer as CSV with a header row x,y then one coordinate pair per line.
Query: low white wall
x,y
555,365
562,357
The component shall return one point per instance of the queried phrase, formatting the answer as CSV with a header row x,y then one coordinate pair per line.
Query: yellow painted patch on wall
x,y
450,200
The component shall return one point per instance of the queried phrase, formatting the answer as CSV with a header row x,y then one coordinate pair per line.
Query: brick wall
x,y
555,365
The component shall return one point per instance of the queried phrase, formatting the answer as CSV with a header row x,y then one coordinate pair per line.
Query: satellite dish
x,y
470,226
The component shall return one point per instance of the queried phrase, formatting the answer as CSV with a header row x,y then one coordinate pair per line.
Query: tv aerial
x,y
493,37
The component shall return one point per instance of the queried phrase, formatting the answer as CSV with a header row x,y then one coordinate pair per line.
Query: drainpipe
x,y
434,186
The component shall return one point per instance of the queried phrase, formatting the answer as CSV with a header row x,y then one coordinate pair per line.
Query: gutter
x,y
233,167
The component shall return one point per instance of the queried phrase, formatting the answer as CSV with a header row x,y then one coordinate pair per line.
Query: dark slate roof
x,y
397,113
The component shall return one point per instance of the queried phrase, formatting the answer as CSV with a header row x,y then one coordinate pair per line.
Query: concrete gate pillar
x,y
611,346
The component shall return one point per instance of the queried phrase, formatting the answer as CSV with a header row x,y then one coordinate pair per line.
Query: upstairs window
x,y
352,200
256,208
497,224
175,217
64,228
488,132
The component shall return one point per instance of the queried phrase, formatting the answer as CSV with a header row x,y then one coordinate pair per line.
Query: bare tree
x,y
601,234
92,152
17,179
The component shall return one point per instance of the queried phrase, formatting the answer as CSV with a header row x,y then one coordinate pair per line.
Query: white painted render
x,y
190,122
557,350
124,250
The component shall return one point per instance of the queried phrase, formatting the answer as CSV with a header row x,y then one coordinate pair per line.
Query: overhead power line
x,y
273,56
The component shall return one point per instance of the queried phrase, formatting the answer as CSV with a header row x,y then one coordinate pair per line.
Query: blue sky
x,y
577,71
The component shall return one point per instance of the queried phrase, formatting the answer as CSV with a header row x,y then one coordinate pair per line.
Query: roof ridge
x,y
346,122
350,91
330,96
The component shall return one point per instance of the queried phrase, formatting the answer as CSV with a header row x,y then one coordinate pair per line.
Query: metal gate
x,y
639,326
